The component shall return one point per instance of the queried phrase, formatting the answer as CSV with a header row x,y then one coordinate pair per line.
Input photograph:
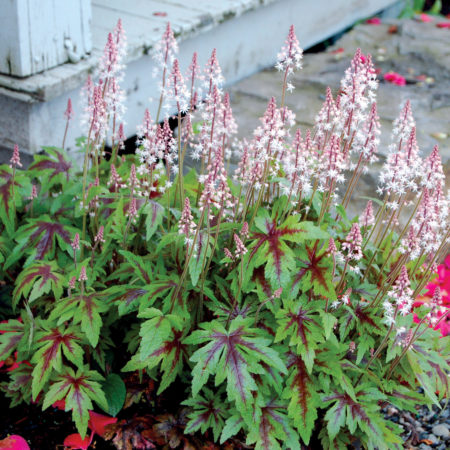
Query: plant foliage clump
x,y
279,317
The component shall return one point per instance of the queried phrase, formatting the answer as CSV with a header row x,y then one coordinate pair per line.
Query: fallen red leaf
x,y
60,404
160,14
14,442
98,422
393,29
74,441
443,25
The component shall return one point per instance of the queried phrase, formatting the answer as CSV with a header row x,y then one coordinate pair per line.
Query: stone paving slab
x,y
416,48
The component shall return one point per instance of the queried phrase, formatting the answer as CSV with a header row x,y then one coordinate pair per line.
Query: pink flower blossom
x,y
401,292
290,56
241,250
367,219
425,18
33,194
353,243
186,224
244,231
331,246
83,275
68,114
164,51
15,159
99,235
395,78
121,138
76,242
115,180
374,21
213,73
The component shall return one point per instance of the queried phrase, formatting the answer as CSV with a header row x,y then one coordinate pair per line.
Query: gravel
x,y
426,429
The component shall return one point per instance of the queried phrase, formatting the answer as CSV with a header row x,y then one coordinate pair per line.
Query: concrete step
x,y
247,34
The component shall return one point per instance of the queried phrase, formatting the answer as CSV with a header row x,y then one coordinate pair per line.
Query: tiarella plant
x,y
280,319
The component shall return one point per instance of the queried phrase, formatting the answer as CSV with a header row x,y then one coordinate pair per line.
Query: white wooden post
x,y
36,35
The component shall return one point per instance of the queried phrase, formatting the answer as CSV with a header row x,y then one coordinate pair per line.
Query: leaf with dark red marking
x,y
300,327
6,177
233,355
128,298
38,279
52,164
208,412
162,342
78,390
272,428
303,399
52,344
270,245
11,334
140,266
354,411
12,192
316,273
84,309
40,237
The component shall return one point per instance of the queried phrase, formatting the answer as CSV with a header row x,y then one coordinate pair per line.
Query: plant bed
x,y
160,308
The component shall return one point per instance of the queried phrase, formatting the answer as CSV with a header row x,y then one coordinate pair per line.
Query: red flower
x,y
374,21
395,78
425,18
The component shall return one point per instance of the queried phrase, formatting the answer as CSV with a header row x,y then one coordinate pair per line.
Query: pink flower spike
x,y
99,237
68,114
353,243
72,282
75,442
33,192
186,224
228,254
15,159
367,219
332,246
121,138
291,54
76,242
244,231
437,297
374,21
83,276
132,208
241,250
